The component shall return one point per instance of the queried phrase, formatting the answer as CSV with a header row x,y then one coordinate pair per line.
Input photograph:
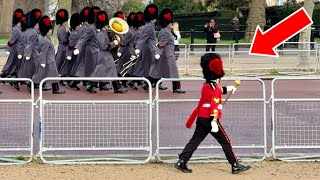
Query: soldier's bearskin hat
x,y
212,66
150,12
33,17
138,20
119,14
62,16
44,25
84,14
23,22
165,17
130,18
17,16
75,21
92,14
101,19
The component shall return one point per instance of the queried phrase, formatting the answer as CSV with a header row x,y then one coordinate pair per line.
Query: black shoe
x,y
145,88
90,89
61,83
239,168
162,87
180,91
181,165
105,88
16,85
121,90
58,92
133,85
29,86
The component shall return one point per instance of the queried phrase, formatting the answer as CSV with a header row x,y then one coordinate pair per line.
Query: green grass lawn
x,y
317,40
3,41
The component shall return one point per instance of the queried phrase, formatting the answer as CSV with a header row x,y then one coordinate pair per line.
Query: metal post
x,y
192,38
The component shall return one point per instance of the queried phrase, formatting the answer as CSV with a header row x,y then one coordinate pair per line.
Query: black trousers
x,y
213,47
203,128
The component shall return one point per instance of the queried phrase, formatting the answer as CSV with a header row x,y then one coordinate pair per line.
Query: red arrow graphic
x,y
264,43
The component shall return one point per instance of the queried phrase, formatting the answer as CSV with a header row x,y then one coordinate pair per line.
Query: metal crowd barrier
x,y
98,130
244,119
16,124
195,51
182,58
295,119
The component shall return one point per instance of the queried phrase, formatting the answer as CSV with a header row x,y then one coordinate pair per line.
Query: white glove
x,y
119,54
231,88
69,58
19,56
157,56
43,65
116,42
76,52
27,58
137,51
214,126
8,53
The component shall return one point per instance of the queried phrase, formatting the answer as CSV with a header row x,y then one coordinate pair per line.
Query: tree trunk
x,y
75,6
257,16
304,36
6,16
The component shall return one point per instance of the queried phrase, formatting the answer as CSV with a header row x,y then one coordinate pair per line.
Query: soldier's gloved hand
x,y
137,51
8,53
76,52
116,42
27,58
19,56
214,126
43,65
69,58
119,54
231,88
157,56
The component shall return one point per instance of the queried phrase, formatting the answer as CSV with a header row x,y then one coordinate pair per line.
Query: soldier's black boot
x,y
74,85
182,166
117,87
3,75
56,90
103,86
90,87
133,85
16,85
45,87
237,168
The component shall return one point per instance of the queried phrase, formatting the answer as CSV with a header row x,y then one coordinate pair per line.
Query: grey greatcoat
x,y
47,57
71,65
20,51
166,66
63,38
10,66
79,71
106,66
31,50
88,43
147,46
137,35
126,49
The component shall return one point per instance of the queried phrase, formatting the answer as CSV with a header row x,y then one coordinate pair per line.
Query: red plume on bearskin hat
x,y
23,22
212,66
130,18
92,14
17,16
138,20
101,19
44,25
150,12
84,14
165,17
62,16
119,14
33,17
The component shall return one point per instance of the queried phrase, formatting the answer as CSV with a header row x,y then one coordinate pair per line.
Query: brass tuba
x,y
118,26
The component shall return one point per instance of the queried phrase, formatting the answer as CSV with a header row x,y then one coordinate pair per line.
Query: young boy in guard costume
x,y
209,112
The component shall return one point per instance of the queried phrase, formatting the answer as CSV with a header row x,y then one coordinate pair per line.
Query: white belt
x,y
208,105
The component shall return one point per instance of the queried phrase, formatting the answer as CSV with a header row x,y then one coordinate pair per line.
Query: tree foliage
x,y
228,4
181,6
132,6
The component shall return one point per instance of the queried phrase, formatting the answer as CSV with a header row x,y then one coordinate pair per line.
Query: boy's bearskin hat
x,y
119,14
212,66
130,18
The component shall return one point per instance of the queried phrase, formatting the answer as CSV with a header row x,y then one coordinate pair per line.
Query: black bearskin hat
x,y
75,21
138,20
92,14
212,66
33,17
62,16
44,25
150,12
84,14
119,14
165,17
130,18
101,19
23,22
17,16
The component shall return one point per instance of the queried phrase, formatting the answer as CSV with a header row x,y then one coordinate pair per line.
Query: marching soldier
x,y
105,64
146,45
165,65
62,17
73,39
209,113
47,66
9,69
